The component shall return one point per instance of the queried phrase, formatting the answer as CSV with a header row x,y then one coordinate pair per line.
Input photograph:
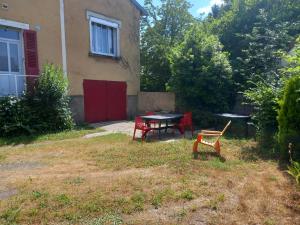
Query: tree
x,y
161,31
201,73
264,97
289,113
259,72
253,31
260,59
289,119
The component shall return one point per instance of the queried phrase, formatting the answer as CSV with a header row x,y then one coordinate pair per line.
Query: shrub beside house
x,y
43,109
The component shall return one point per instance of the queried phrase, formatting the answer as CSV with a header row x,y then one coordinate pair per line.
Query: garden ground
x,y
113,180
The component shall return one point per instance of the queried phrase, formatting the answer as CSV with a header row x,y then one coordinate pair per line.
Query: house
x,y
96,42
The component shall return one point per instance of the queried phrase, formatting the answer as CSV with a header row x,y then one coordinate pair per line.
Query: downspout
x,y
63,37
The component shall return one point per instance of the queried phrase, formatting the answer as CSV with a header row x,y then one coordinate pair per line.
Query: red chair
x,y
141,125
186,122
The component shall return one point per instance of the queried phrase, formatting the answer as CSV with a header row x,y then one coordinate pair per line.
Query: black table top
x,y
163,117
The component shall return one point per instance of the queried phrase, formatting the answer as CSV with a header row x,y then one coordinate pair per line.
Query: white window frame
x,y
20,44
15,24
102,20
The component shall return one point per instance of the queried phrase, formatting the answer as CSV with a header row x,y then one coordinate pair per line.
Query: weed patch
x,y
10,216
187,195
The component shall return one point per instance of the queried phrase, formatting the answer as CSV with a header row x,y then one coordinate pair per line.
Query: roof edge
x,y
139,7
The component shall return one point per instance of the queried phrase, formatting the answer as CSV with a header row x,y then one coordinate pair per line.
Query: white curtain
x,y
103,39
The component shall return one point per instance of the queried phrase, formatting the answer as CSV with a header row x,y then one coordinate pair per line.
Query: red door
x,y
104,100
117,97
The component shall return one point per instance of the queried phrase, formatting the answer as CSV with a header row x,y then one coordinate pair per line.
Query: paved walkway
x,y
127,127
124,127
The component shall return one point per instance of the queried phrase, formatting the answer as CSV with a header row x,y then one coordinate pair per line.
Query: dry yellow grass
x,y
112,180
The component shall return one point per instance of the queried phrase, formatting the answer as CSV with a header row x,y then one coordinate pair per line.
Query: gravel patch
x,y
20,166
8,193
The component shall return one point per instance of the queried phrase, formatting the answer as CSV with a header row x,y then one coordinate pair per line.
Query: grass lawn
x,y
112,180
79,131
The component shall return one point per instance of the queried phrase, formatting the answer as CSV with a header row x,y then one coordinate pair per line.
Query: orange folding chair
x,y
208,133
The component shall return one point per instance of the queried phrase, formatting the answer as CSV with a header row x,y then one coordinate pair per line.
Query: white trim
x,y
91,36
104,22
10,23
63,37
90,14
118,43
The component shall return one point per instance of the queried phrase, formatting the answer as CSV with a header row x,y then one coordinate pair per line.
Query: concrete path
x,y
124,127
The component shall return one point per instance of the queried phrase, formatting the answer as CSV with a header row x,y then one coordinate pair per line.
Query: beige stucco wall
x,y
43,14
46,15
81,65
156,101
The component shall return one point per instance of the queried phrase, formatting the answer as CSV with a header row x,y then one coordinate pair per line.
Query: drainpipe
x,y
63,37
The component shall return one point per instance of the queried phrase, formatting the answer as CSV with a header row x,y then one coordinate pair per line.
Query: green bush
x,y
289,118
264,96
14,116
50,101
201,73
44,109
294,171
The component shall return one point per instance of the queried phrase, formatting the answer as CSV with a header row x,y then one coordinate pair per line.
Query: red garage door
x,y
104,100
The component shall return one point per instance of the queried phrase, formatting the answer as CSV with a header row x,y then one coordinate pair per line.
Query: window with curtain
x,y
104,37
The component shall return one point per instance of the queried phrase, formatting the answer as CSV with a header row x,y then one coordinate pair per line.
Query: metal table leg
x,y
159,129
167,124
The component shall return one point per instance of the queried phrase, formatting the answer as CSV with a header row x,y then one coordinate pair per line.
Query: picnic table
x,y
244,120
167,120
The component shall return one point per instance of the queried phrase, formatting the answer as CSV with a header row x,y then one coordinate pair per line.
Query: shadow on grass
x,y
78,131
206,156
253,154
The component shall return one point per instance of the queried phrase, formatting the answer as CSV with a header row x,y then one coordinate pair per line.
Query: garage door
x,y
104,100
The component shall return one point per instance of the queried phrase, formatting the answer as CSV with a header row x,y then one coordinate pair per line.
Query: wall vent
x,y
4,6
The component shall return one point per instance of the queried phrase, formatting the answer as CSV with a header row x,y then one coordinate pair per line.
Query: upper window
x,y
104,37
9,34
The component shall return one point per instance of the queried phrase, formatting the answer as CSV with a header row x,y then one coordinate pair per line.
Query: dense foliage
x,y
50,101
289,118
162,30
15,116
264,96
201,73
289,113
253,31
45,109
294,171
